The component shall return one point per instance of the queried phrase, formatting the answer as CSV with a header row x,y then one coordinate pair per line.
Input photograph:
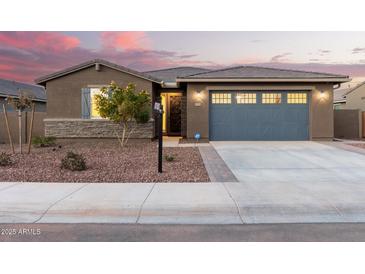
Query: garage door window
x,y
246,98
271,98
221,98
297,98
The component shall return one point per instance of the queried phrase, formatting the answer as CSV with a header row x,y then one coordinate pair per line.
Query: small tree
x,y
124,106
20,104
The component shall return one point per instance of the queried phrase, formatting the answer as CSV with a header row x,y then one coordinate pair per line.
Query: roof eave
x,y
47,78
14,96
295,80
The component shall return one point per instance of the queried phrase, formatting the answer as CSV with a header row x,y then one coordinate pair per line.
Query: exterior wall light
x,y
321,94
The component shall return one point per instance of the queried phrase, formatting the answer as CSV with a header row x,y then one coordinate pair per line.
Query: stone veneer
x,y
92,128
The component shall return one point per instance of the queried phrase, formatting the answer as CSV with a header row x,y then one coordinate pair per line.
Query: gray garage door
x,y
270,116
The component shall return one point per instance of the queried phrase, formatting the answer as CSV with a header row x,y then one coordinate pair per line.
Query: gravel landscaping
x,y
106,162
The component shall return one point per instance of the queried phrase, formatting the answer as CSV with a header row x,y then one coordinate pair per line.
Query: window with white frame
x,y
221,98
94,113
246,98
271,98
297,98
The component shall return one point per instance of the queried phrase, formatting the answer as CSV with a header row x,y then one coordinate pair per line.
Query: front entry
x,y
171,103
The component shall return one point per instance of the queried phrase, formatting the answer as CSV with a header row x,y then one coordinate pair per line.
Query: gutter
x,y
312,80
14,96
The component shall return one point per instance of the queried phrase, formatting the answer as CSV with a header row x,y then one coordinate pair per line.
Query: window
x,y
94,113
271,98
221,98
297,98
246,98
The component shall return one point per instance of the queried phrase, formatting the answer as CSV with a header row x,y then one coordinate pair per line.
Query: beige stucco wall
x,y
356,99
64,93
321,108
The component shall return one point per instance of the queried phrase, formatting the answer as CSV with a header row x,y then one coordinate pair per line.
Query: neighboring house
x,y
355,97
339,99
9,88
239,103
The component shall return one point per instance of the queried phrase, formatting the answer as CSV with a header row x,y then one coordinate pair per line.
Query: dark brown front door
x,y
174,115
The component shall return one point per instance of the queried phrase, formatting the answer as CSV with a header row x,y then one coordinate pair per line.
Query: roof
x,y
339,95
12,88
354,88
90,63
170,74
257,73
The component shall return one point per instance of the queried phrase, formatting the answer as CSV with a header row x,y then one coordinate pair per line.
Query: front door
x,y
174,119
172,113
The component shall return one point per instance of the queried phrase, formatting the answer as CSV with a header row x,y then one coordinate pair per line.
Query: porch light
x,y
321,94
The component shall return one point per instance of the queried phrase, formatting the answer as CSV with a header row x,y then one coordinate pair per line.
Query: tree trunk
x,y
31,128
20,130
8,129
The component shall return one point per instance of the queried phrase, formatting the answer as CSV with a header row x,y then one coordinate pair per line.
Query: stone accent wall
x,y
93,128
183,115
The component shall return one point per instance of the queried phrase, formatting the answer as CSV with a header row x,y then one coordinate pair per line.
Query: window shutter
x,y
85,103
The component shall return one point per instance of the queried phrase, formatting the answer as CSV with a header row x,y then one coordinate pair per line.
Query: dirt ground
x,y
106,162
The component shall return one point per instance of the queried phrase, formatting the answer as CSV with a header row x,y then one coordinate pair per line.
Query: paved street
x,y
181,233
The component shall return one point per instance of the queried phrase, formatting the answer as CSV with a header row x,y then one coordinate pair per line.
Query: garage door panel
x,y
259,121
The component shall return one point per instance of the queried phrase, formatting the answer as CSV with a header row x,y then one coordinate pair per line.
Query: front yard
x,y
106,162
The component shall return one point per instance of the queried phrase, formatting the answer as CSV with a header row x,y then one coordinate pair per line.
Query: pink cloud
x,y
126,40
51,41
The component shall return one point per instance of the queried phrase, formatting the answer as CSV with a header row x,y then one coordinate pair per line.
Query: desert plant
x,y
5,159
124,106
169,158
40,141
73,161
20,104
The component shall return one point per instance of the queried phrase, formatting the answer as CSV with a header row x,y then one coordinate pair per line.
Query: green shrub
x,y
143,116
169,158
40,141
5,159
73,161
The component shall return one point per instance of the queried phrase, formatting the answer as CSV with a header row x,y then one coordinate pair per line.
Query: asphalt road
x,y
183,233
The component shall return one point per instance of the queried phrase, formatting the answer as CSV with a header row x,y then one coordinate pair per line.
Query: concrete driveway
x,y
295,182
291,162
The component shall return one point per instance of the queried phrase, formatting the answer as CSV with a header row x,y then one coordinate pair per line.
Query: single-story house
x,y
237,103
10,88
354,98
339,98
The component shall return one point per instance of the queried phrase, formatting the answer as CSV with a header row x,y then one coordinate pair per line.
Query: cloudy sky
x,y
25,56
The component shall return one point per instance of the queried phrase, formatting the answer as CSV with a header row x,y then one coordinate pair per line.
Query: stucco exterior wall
x,y
321,106
64,93
356,99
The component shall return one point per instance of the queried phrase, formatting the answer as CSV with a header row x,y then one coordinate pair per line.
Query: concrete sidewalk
x,y
178,203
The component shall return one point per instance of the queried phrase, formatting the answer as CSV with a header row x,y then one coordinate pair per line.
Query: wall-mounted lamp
x,y
322,94
198,94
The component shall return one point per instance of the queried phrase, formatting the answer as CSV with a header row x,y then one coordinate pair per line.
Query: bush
x,y
169,158
40,141
143,116
73,161
5,159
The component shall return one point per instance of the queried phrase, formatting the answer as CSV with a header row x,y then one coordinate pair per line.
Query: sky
x,y
25,56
